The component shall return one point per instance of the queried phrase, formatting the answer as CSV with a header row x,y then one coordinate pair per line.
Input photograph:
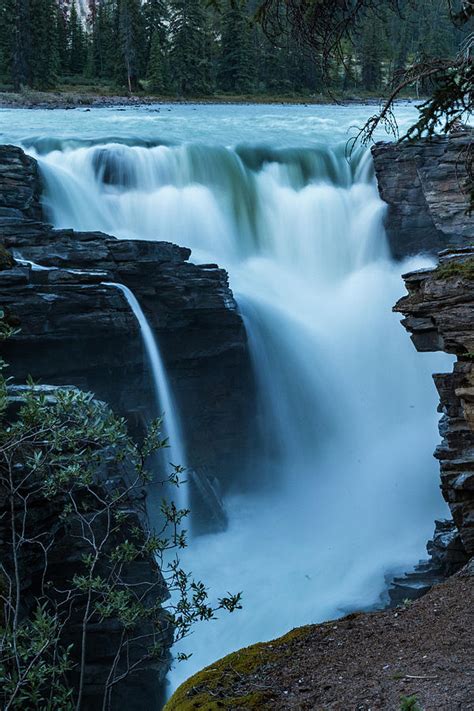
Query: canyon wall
x,y
424,184
45,540
439,315
75,330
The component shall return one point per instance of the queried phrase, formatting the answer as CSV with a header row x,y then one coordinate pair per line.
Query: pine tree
x,y
236,68
131,40
7,13
62,41
76,42
156,19
156,71
372,42
189,60
44,66
103,50
19,24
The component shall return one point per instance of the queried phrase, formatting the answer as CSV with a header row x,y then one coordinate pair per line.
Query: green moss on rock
x,y
6,259
463,269
217,686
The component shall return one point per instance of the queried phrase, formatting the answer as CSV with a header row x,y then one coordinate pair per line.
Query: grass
x,y
464,269
409,703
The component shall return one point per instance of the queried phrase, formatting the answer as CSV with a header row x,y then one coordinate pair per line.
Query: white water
x,y
346,488
164,398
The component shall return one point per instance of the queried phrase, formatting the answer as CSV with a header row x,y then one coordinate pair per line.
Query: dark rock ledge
x,y
438,312
77,331
424,184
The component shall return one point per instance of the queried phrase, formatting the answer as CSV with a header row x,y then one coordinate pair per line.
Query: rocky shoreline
x,y
79,99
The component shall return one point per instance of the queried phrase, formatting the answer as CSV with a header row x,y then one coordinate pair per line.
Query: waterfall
x,y
163,395
345,485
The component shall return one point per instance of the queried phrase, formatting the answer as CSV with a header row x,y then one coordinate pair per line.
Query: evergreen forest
x,y
198,48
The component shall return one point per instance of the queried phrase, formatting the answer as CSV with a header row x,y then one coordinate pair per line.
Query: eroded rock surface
x,y
76,330
424,184
57,534
439,313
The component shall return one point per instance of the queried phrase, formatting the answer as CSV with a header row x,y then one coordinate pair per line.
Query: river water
x,y
346,488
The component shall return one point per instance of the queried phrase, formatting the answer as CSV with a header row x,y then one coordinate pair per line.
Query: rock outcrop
x,y
363,661
424,184
77,330
52,539
438,314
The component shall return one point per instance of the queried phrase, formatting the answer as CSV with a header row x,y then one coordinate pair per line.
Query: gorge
x,y
301,401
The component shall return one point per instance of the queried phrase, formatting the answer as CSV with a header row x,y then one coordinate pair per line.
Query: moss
x,y
216,687
6,259
463,269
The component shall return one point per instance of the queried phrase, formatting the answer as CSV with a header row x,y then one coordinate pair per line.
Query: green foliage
x,y
409,703
196,48
216,686
67,453
156,74
464,269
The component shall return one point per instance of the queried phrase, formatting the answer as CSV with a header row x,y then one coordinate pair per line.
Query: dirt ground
x,y
418,656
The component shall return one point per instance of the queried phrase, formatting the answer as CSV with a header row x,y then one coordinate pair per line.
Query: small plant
x,y
463,269
409,703
72,479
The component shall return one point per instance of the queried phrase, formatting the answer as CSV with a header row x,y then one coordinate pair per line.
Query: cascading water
x,y
345,485
163,395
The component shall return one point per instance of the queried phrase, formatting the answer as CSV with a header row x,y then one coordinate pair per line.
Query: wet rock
x,y
424,184
439,315
76,330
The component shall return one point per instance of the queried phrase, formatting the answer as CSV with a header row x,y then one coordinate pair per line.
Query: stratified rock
x,y
66,543
439,311
74,329
424,184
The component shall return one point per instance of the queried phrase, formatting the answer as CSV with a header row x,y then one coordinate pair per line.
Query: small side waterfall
x,y
163,395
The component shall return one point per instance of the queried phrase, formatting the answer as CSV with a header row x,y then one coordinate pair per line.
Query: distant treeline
x,y
195,48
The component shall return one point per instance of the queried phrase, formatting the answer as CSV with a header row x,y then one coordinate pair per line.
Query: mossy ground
x,y
6,259
463,269
217,686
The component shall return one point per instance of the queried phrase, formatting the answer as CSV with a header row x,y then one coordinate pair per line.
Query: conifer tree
x,y
131,41
156,70
44,67
76,42
18,52
236,68
188,57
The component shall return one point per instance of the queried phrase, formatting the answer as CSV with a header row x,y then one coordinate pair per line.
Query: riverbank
x,y
417,656
79,99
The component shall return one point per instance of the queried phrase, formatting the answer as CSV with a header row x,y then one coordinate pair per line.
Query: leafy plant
x,y
71,497
409,703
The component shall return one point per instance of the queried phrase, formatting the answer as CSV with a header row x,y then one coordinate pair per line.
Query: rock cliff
x,y
438,314
45,538
424,184
78,331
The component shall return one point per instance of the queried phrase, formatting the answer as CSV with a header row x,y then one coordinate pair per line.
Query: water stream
x,y
345,485
164,399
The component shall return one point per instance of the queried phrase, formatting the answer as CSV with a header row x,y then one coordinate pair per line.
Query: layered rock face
x,y
424,184
63,540
438,313
77,330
